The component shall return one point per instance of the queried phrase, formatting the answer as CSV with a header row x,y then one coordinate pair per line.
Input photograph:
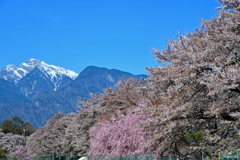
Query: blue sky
x,y
74,34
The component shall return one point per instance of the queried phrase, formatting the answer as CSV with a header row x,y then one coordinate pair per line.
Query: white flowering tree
x,y
196,97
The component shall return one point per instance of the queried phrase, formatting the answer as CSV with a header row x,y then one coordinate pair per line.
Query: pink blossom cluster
x,y
119,137
18,151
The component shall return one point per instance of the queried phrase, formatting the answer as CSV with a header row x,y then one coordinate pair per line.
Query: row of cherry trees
x,y
183,109
13,145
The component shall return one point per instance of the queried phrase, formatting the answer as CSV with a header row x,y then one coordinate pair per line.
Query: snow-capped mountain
x,y
40,102
22,74
13,73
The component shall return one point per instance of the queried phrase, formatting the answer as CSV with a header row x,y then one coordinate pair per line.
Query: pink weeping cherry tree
x,y
118,138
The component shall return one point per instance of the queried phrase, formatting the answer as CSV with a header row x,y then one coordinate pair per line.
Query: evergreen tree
x,y
17,126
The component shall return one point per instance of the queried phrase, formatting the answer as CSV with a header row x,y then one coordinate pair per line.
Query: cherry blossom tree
x,y
15,144
198,93
126,93
118,138
18,151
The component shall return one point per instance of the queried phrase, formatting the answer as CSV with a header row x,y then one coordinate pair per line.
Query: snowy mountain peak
x,y
13,73
33,60
9,67
31,63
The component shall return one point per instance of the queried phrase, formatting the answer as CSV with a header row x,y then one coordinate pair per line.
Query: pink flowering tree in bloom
x,y
118,138
18,151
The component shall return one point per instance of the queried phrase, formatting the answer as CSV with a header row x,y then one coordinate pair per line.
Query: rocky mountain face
x,y
34,82
35,91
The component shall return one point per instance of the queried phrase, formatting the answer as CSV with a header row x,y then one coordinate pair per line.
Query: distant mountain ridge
x,y
20,75
35,99
13,73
